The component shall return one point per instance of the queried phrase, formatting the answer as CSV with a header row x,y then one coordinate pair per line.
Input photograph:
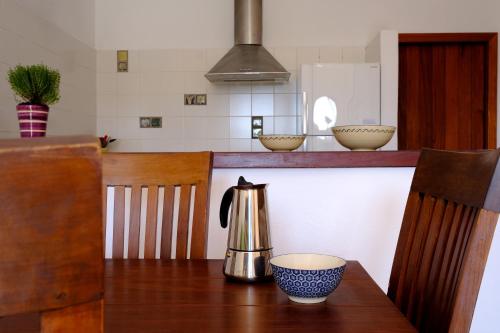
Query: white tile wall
x,y
26,39
158,79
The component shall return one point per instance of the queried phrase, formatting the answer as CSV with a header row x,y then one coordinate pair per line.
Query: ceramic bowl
x,y
363,137
282,142
307,278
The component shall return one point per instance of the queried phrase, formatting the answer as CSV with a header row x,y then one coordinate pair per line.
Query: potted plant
x,y
105,141
36,87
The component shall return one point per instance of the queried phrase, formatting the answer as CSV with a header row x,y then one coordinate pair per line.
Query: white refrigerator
x,y
335,95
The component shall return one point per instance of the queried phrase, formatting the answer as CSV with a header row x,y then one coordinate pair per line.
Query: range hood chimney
x,y
248,60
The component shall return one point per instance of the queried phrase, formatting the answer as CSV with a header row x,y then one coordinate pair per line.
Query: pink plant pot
x,y
32,120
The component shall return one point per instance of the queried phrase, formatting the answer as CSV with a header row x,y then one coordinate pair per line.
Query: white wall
x,y
74,17
28,39
152,24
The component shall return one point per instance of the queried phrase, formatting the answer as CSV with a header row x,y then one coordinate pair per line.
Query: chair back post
x,y
443,246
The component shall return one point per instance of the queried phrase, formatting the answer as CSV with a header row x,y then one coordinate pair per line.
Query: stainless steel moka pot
x,y
249,241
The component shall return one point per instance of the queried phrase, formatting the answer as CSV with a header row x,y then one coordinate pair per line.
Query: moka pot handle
x,y
227,199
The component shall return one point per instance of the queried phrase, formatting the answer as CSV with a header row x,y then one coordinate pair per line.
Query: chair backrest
x,y
175,176
50,232
447,229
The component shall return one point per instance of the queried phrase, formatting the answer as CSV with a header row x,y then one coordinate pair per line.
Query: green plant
x,y
35,84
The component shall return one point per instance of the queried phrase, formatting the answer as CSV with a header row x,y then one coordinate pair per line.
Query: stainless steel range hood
x,y
248,60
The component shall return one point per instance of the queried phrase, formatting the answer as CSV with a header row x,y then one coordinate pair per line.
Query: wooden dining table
x,y
194,296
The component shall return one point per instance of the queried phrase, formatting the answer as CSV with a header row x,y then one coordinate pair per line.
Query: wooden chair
x,y
50,233
447,229
165,172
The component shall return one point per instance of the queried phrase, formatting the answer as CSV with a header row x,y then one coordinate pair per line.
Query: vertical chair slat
x,y
420,284
416,248
425,305
458,258
119,222
403,249
183,222
200,223
135,222
436,308
167,223
151,223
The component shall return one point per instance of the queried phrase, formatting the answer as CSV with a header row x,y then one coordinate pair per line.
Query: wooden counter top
x,y
331,159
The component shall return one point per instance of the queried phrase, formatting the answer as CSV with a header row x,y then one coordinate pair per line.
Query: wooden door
x,y
447,91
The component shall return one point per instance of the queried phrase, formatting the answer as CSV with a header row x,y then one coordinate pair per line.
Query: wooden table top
x,y
194,296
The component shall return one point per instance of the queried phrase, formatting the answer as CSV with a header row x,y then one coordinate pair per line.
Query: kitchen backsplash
x,y
157,80
33,41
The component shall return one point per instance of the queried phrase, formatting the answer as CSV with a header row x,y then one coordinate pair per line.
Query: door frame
x,y
491,41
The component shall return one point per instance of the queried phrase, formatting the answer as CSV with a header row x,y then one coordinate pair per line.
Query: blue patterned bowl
x,y
307,278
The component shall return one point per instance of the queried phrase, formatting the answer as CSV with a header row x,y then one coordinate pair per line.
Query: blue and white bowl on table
x,y
308,278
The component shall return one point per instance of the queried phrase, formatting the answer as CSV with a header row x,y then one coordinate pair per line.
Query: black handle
x,y
227,198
